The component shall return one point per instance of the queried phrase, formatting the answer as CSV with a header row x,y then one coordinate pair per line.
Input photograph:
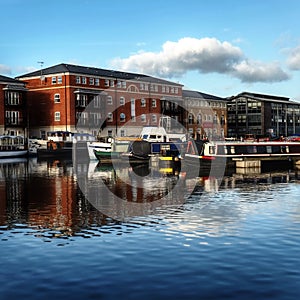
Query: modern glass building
x,y
260,115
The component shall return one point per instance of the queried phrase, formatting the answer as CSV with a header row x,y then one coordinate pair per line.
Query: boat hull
x,y
13,153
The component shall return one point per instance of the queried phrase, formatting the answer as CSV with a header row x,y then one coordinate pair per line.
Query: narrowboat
x,y
13,146
233,151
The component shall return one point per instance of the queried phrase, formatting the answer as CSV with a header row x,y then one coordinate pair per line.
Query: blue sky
x,y
220,47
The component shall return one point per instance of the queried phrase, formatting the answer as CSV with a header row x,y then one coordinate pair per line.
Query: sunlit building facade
x,y
97,101
205,115
260,115
13,116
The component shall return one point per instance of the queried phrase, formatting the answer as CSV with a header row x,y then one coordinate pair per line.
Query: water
x,y
235,237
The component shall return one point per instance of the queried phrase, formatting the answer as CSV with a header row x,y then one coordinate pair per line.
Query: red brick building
x,y
86,99
13,116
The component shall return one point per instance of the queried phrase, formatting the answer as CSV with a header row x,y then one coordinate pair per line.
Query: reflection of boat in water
x,y
12,146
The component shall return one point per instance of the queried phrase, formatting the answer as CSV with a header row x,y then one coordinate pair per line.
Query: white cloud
x,y
5,70
255,71
293,60
206,55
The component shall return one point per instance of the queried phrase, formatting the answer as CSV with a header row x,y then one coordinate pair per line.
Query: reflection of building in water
x,y
16,171
41,194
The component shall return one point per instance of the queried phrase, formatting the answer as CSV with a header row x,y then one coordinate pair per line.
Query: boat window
x,y
294,149
261,149
240,149
211,149
221,149
251,149
276,149
145,136
269,149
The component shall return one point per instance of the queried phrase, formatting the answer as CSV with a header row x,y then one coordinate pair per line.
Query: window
x,y
97,81
78,80
122,101
191,119
81,100
199,119
12,117
123,132
12,98
59,79
143,118
124,84
110,117
43,134
109,100
57,116
153,103
154,118
143,102
54,80
83,80
112,83
56,98
122,117
119,84
91,81
97,101
95,118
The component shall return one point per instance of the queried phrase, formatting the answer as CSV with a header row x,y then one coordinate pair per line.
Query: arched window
x,y
122,101
199,119
109,117
191,119
122,117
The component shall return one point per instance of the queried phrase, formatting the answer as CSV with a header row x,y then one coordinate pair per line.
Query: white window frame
x,y
110,117
122,117
53,80
109,100
57,116
143,102
122,101
153,103
143,118
57,98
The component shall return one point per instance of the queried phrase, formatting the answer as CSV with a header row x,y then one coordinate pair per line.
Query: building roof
x,y
9,80
261,97
196,94
92,71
